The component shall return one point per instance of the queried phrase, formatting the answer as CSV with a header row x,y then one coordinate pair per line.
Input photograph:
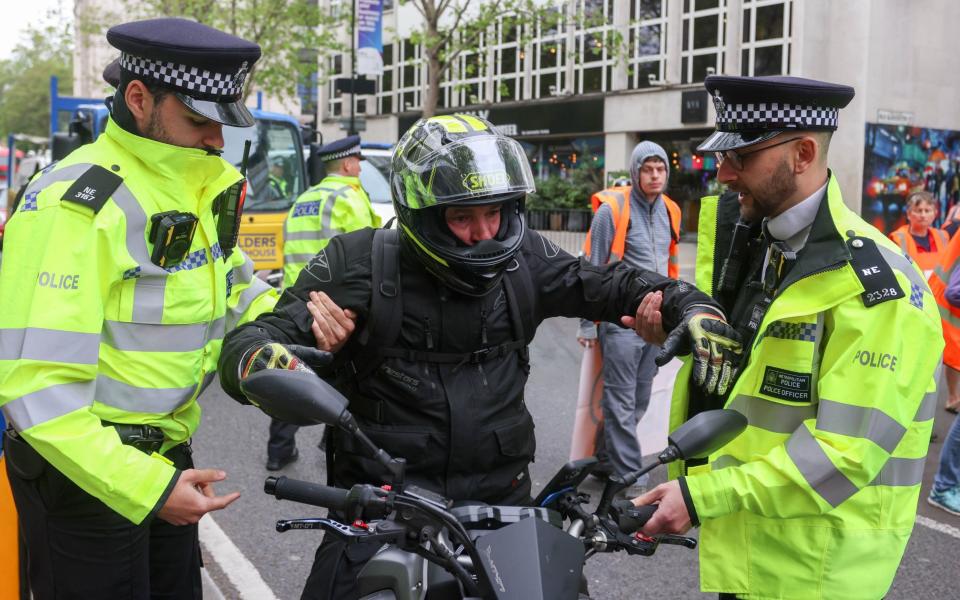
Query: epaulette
x,y
875,274
93,188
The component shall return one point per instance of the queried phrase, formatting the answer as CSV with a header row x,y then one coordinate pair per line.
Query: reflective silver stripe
x,y
815,466
327,217
816,359
928,407
146,337
66,173
299,258
673,259
722,462
243,273
947,315
246,298
772,416
148,295
143,400
305,235
149,290
860,422
901,472
217,329
904,265
52,345
49,403
207,380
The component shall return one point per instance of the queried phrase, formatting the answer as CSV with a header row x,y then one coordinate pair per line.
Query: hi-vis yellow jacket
x,y
336,205
91,330
817,498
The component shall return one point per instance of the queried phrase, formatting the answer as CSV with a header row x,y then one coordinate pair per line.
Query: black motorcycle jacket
x,y
447,393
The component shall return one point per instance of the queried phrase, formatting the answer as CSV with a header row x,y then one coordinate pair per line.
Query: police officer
x,y
842,337
118,282
445,310
337,204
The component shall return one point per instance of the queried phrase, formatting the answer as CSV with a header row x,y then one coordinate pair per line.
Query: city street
x,y
233,437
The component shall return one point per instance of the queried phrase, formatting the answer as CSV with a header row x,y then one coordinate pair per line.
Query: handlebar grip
x,y
630,518
306,492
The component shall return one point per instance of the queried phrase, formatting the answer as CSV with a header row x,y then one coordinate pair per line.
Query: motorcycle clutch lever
x,y
347,533
678,540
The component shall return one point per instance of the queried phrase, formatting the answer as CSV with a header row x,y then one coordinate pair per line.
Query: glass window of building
x,y
550,55
704,37
593,46
767,32
385,81
648,42
466,80
409,76
334,98
508,60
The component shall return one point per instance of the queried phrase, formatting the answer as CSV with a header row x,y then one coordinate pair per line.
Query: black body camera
x,y
171,236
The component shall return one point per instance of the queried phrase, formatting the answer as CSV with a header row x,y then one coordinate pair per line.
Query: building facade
x,y
568,98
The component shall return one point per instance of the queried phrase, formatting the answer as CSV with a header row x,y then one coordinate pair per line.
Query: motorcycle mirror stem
x,y
618,483
396,466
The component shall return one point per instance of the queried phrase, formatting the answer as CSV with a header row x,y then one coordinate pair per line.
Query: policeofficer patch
x,y
875,275
786,385
319,267
93,188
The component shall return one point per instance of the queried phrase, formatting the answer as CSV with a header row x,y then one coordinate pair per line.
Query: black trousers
x,y
77,547
282,440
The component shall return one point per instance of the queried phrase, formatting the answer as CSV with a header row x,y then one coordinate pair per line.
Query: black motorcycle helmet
x,y
459,160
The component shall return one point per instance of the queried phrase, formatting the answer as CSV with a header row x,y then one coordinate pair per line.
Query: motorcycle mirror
x,y
706,433
295,397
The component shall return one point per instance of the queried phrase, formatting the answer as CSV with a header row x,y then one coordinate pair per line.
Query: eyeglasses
x,y
736,158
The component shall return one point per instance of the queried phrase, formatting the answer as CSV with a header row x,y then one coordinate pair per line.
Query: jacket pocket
x,y
517,439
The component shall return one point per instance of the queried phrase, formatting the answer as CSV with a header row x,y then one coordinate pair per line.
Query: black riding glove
x,y
715,345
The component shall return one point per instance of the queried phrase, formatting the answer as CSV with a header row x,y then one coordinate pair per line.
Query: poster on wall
x,y
369,37
900,159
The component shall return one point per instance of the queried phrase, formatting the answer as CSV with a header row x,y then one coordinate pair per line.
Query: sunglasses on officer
x,y
736,158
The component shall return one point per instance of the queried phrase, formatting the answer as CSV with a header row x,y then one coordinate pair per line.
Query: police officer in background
x,y
337,204
841,337
446,307
119,279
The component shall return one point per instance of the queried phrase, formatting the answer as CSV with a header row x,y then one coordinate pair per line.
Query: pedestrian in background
x,y
841,339
640,225
337,204
118,282
918,238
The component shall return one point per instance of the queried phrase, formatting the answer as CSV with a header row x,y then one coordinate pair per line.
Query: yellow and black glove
x,y
290,357
715,346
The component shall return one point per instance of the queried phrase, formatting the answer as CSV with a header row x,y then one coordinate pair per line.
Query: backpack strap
x,y
386,303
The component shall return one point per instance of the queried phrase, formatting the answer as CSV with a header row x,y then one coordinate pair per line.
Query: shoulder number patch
x,y
93,188
875,275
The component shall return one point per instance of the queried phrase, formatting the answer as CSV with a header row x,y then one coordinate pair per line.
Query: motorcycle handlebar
x,y
630,518
306,492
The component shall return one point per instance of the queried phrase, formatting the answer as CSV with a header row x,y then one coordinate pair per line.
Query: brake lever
x,y
678,540
380,532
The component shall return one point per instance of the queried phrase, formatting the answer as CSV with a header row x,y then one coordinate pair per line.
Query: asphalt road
x,y
234,437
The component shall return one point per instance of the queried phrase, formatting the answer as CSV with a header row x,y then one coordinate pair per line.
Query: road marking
x,y
240,571
938,526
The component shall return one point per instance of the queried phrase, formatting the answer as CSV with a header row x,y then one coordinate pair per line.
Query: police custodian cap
x,y
204,67
348,146
754,109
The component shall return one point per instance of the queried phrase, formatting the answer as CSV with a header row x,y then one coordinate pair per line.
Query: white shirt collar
x,y
793,225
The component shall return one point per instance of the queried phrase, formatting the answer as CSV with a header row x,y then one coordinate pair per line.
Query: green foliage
x,y
573,191
291,33
47,49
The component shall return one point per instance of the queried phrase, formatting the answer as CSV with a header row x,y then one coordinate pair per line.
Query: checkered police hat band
x,y
341,153
189,80
773,115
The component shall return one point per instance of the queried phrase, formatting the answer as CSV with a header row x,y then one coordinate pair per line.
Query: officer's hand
x,y
193,496
671,515
291,357
332,326
715,345
648,322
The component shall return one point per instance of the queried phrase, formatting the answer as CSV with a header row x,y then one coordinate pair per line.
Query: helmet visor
x,y
472,168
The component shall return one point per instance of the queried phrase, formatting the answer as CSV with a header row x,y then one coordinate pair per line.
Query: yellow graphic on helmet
x,y
481,182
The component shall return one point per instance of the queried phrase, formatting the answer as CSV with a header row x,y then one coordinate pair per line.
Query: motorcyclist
x,y
445,309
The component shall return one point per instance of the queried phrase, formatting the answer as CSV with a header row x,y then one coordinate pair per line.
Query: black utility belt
x,y
145,438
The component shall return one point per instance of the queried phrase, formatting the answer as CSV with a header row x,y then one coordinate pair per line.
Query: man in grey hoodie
x,y
650,243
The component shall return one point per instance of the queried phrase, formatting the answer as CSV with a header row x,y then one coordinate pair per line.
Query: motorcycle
x,y
431,548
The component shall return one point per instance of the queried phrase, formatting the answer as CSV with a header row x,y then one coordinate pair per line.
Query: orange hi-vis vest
x,y
949,314
925,260
619,200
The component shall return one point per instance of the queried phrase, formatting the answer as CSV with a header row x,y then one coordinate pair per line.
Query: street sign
x,y
693,106
359,123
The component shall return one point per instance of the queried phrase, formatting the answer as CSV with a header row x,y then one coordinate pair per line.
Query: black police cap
x,y
754,109
348,146
203,66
